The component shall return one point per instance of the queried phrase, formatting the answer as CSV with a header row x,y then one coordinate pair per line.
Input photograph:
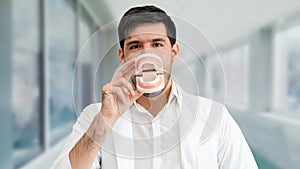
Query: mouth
x,y
149,74
154,71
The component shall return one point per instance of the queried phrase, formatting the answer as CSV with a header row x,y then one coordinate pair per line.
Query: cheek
x,y
131,56
167,63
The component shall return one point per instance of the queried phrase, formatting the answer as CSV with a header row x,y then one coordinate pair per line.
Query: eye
x,y
132,47
158,45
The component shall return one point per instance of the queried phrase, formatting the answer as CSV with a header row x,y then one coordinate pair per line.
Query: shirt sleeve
x,y
80,127
233,151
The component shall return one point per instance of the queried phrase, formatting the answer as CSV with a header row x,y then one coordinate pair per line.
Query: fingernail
x,y
126,91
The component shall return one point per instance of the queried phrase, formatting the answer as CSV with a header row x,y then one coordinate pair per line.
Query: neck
x,y
155,104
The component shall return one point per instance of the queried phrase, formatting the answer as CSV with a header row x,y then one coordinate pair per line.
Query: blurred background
x,y
258,42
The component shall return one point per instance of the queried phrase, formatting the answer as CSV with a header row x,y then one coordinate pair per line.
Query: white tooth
x,y
148,83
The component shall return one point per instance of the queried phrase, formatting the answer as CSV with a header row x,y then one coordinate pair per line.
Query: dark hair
x,y
145,14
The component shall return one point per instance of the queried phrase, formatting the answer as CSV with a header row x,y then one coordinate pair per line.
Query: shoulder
x,y
209,115
204,105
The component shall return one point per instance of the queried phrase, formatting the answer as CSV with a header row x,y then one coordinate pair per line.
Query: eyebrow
x,y
153,40
132,42
158,39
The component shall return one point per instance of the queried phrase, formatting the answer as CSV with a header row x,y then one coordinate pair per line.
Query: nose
x,y
147,46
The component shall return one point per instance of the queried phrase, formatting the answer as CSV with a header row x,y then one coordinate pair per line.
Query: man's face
x,y
150,38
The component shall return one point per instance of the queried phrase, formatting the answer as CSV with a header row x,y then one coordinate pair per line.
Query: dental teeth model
x,y
149,73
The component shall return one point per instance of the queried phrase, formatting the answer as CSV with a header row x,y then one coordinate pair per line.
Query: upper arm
x,y
233,151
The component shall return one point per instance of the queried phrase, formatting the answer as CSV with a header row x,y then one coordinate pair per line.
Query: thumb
x,y
137,94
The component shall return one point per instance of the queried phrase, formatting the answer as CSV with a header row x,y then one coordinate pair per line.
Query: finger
x,y
137,95
129,72
119,95
107,89
122,82
125,66
125,71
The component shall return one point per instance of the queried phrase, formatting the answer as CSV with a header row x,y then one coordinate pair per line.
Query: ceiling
x,y
222,21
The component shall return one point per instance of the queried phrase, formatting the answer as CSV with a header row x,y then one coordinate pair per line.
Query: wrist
x,y
110,115
106,119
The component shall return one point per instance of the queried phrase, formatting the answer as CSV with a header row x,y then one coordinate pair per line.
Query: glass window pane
x,y
215,82
235,64
290,47
85,32
26,98
61,39
294,79
84,77
85,26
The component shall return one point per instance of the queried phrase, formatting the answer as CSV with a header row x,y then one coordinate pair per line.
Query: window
x,y
26,95
294,76
85,27
215,83
84,72
236,66
287,55
61,40
62,37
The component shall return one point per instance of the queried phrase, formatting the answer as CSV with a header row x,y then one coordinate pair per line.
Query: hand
x,y
119,94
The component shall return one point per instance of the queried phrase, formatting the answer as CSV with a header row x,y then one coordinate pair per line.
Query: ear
x,y
175,52
121,56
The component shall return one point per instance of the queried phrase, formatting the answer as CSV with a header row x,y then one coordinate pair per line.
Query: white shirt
x,y
158,134
189,132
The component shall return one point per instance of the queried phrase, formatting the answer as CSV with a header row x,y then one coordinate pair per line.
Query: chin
x,y
151,95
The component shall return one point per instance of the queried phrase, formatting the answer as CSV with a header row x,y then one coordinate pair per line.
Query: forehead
x,y
148,30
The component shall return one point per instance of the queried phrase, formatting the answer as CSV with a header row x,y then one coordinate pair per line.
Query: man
x,y
164,129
